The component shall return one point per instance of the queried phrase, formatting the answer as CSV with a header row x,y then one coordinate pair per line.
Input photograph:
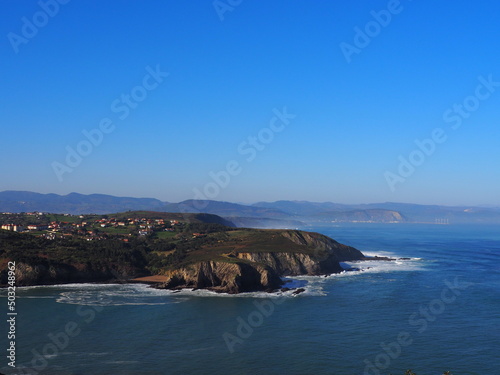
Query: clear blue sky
x,y
353,119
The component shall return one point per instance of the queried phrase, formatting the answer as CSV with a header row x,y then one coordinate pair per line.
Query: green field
x,y
165,235
113,230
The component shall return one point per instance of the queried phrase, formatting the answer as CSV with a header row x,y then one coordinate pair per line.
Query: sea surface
x,y
437,310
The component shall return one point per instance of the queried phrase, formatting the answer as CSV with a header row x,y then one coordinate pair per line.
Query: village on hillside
x,y
89,227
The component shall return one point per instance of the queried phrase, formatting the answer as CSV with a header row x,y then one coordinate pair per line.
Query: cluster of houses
x,y
96,229
144,225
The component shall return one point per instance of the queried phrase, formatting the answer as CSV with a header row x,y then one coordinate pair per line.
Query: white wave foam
x,y
3,294
188,351
355,268
112,295
67,286
37,297
378,266
381,253
208,293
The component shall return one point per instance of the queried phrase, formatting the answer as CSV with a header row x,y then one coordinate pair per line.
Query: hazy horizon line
x,y
485,205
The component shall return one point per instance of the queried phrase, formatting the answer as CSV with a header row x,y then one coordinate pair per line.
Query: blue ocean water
x,y
438,310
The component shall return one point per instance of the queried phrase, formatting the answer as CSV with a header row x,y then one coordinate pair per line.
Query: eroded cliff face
x,y
323,255
41,274
259,270
323,246
289,264
228,277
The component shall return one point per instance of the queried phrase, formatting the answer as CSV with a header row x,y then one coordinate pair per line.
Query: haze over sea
x,y
438,310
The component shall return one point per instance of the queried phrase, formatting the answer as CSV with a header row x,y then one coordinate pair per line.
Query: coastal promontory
x,y
173,250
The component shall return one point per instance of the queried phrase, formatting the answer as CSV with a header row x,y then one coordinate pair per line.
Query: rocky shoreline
x,y
213,276
247,269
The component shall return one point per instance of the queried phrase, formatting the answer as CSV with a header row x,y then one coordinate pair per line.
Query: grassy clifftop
x,y
230,243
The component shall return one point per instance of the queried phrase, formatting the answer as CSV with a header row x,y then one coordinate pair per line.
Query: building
x,y
13,227
37,227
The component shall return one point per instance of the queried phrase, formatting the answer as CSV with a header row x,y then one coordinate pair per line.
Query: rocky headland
x,y
249,268
196,255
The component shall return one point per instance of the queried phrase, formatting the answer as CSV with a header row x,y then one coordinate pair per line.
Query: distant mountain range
x,y
74,203
280,214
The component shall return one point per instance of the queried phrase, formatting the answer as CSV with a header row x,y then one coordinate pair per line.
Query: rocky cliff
x,y
323,246
43,274
244,271
222,276
289,264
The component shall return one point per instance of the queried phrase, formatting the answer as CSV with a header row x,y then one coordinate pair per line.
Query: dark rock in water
x,y
298,291
285,289
404,259
376,257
